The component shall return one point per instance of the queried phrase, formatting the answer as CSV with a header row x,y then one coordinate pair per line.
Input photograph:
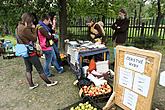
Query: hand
x,y
33,26
26,24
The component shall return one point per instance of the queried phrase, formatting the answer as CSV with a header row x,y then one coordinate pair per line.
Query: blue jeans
x,y
50,58
55,47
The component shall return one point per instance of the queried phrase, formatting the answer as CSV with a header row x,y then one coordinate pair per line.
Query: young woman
x,y
26,34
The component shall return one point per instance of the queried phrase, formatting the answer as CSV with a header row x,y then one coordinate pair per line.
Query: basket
x,y
99,98
84,100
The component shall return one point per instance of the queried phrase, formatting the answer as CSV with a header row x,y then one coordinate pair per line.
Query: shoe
x,y
75,82
61,71
52,83
43,56
33,87
52,75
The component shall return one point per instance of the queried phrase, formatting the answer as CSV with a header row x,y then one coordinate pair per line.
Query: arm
x,y
30,34
124,26
114,26
45,33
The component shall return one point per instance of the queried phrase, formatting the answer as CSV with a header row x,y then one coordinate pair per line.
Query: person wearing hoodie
x,y
26,34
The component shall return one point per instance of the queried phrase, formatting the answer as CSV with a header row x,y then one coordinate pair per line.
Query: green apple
x,y
72,108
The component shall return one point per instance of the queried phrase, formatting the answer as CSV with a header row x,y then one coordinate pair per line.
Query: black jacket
x,y
121,33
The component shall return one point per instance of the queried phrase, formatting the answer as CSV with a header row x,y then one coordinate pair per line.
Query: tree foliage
x,y
11,10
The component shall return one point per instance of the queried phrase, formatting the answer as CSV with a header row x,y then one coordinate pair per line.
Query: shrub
x,y
145,42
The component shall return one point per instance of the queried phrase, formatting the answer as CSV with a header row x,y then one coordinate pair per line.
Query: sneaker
x,y
33,87
43,56
75,82
61,71
52,83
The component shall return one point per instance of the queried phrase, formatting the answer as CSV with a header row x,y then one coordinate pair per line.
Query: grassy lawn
x,y
11,38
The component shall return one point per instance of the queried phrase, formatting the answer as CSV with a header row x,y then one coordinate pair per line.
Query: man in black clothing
x,y
121,28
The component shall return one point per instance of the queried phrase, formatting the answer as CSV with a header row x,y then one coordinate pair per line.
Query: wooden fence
x,y
137,28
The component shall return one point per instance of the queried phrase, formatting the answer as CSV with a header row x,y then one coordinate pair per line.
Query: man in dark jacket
x,y
121,28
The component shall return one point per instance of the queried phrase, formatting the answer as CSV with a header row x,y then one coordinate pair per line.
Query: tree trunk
x,y
140,9
62,22
158,19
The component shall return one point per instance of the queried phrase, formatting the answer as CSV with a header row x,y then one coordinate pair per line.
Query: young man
x,y
45,39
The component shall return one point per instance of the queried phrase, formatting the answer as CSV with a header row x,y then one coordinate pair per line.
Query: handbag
x,y
21,50
30,48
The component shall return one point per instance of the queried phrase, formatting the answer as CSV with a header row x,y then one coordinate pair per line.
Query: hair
x,y
28,18
123,11
52,14
35,22
45,16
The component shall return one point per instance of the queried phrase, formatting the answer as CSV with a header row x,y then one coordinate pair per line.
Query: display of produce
x,y
84,106
95,91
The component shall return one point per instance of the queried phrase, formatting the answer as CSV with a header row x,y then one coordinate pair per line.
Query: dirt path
x,y
14,93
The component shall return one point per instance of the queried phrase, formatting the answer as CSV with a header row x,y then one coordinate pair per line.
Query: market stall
x,y
80,53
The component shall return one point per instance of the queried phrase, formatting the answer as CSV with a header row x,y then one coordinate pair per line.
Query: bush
x,y
145,42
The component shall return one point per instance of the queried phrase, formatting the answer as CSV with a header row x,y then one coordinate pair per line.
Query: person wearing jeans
x,y
50,57
26,34
53,31
45,38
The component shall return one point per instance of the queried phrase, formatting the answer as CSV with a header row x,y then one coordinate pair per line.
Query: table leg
x,y
80,61
104,56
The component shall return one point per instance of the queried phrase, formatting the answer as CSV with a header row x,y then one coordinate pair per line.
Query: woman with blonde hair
x,y
26,34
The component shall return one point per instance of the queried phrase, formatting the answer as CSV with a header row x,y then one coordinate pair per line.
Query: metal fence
x,y
138,27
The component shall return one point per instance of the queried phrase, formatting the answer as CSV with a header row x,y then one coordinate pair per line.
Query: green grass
x,y
160,48
9,37
132,32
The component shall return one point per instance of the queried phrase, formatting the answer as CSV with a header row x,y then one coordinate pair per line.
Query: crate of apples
x,y
84,106
93,91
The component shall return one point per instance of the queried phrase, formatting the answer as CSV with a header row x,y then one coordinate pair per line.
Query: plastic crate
x,y
84,100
